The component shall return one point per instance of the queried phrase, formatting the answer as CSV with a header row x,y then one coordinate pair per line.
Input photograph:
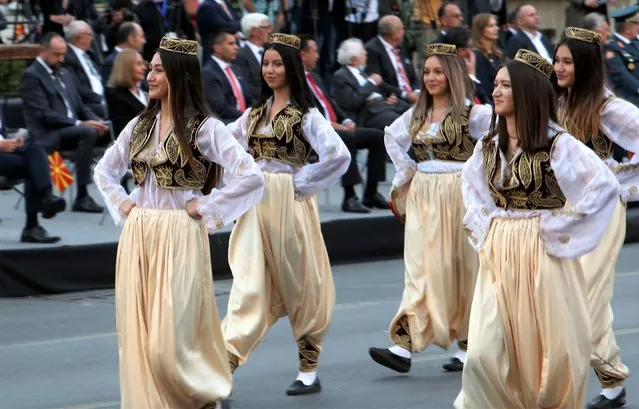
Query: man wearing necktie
x,y
214,16
55,116
354,137
29,161
84,71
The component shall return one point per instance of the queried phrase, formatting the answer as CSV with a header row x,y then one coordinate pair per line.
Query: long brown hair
x,y
533,110
480,22
460,88
580,107
186,99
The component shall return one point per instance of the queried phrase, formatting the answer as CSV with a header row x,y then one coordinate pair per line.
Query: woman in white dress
x,y
529,338
276,251
440,264
171,349
591,113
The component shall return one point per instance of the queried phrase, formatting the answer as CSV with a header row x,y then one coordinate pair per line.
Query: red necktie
x,y
319,94
236,89
402,72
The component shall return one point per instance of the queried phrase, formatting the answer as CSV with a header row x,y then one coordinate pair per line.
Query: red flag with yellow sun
x,y
60,175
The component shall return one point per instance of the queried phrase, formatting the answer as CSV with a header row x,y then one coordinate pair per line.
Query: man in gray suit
x,y
55,116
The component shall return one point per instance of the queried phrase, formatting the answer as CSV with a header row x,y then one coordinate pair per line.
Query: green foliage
x,y
10,75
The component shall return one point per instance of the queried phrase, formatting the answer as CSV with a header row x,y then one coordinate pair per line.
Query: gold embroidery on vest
x,y
452,142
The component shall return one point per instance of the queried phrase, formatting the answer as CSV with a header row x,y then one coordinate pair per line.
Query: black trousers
x,y
82,139
30,163
373,141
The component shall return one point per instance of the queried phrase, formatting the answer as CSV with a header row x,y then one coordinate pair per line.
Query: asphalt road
x,y
61,352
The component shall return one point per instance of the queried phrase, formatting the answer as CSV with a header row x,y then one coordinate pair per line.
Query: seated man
x,y
354,137
364,96
55,116
129,36
225,85
28,161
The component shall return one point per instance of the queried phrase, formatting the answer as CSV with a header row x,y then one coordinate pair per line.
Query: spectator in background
x,y
597,23
55,16
528,36
124,97
512,26
118,13
151,15
449,15
55,116
84,70
213,16
256,27
488,56
225,86
130,37
577,9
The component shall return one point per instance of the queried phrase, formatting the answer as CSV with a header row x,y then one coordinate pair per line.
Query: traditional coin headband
x,y
440,49
285,39
535,61
178,45
584,35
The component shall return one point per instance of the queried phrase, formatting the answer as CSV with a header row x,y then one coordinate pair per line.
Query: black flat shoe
x,y
298,388
601,402
455,365
385,357
352,205
38,235
377,201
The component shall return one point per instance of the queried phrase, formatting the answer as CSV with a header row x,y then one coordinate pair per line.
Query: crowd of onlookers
x,y
363,65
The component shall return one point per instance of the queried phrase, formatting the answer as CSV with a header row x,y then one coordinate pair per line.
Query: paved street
x,y
61,352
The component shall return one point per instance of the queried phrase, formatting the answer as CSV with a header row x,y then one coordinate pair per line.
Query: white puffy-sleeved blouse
x,y
569,232
244,181
309,179
398,142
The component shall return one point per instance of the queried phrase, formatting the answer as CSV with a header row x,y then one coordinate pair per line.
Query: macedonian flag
x,y
60,175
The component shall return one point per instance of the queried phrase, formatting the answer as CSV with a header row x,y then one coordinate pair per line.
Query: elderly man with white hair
x,y
362,96
86,73
255,27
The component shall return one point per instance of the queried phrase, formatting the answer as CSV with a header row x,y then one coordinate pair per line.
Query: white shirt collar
x,y
117,48
622,38
77,51
255,49
45,65
532,37
386,45
221,63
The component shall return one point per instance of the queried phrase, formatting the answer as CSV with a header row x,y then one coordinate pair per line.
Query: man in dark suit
x,y
256,28
225,85
55,116
388,60
449,15
354,137
471,8
28,161
364,97
129,36
151,14
213,16
83,69
528,37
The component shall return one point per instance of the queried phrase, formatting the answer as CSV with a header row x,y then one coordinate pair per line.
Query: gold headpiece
x,y
440,49
581,34
178,45
285,39
535,61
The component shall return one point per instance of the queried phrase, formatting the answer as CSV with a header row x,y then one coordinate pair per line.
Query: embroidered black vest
x,y
286,143
533,183
600,143
173,170
453,142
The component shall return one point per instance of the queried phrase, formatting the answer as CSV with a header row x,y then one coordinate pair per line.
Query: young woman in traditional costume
x,y
440,264
172,353
529,339
276,252
591,113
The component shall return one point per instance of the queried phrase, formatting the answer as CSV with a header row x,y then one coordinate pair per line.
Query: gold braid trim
x,y
285,39
608,381
440,49
234,361
463,345
308,355
584,35
535,61
401,334
178,45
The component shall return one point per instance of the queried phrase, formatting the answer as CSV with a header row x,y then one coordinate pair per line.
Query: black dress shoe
x,y
352,205
86,204
455,365
51,206
377,201
385,357
298,388
39,235
601,402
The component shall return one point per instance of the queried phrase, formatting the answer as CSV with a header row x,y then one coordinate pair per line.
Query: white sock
x,y
399,351
219,405
307,378
612,393
461,355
